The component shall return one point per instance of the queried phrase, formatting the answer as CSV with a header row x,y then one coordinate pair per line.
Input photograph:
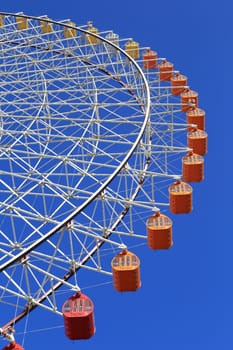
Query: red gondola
x,y
78,313
196,116
149,59
13,346
178,84
165,70
189,100
197,141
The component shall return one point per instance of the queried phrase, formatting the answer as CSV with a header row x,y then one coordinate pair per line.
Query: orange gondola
x,y
197,141
149,59
78,313
196,116
165,70
180,197
193,167
159,231
126,271
178,84
189,100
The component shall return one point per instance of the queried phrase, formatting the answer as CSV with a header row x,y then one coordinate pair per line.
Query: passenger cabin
x,y
165,70
1,20
159,231
180,197
126,272
113,38
178,84
196,116
13,346
22,23
197,141
46,27
78,313
91,39
70,32
149,59
189,100
132,49
193,167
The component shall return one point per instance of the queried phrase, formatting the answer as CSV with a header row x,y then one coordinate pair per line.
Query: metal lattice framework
x,y
89,144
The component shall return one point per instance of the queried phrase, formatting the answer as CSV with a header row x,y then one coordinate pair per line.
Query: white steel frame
x,y
89,143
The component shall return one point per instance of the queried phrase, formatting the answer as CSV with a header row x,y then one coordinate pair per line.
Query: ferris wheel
x,y
97,135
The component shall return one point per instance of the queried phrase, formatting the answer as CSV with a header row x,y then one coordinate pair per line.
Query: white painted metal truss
x,y
89,144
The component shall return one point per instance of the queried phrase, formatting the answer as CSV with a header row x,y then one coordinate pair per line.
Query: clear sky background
x,y
186,300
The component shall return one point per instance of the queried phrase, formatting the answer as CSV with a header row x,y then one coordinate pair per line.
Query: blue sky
x,y
186,299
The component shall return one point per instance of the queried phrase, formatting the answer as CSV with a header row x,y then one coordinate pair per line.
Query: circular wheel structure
x,y
91,138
